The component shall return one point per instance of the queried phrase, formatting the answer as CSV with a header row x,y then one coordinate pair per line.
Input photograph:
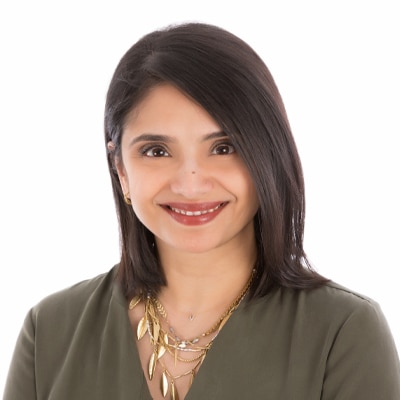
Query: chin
x,y
195,245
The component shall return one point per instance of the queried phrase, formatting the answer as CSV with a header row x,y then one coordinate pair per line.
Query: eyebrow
x,y
214,135
152,137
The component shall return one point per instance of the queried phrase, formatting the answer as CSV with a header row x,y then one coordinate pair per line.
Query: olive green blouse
x,y
328,343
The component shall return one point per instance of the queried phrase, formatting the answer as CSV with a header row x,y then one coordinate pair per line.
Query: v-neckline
x,y
210,362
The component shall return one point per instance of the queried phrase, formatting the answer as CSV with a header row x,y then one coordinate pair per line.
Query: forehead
x,y
163,107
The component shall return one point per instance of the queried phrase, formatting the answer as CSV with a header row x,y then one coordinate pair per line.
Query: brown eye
x,y
155,151
223,149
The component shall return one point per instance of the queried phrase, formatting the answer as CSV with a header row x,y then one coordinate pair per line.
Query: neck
x,y
206,283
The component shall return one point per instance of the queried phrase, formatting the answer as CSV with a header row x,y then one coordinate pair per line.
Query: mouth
x,y
195,213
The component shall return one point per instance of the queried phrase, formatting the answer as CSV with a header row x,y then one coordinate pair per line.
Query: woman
x,y
214,297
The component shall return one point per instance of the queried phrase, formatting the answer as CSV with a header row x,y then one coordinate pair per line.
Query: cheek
x,y
253,198
144,189
141,189
250,192
136,178
143,207
246,181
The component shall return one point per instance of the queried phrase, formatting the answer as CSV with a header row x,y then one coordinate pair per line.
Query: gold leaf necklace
x,y
185,351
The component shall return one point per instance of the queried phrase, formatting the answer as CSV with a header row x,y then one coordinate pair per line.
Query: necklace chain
x,y
166,341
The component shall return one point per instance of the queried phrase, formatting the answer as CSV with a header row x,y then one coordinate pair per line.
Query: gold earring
x,y
127,199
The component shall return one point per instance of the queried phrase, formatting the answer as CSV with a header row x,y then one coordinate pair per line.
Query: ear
x,y
122,175
119,167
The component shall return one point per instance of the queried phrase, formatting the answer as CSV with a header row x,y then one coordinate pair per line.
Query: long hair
x,y
229,80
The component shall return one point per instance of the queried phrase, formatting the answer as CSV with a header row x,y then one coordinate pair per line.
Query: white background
x,y
336,64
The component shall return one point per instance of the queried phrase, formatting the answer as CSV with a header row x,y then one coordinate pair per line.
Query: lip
x,y
194,213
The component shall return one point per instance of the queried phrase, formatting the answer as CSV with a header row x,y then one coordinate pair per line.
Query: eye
x,y
154,151
223,149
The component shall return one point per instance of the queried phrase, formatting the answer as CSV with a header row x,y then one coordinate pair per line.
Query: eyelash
x,y
151,147
231,148
145,150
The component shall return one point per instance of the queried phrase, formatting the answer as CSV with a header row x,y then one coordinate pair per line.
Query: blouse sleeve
x,y
20,384
363,363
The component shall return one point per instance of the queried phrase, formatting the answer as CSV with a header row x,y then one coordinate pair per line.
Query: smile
x,y
192,214
197,212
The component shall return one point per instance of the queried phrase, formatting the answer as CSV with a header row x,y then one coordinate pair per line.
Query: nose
x,y
191,180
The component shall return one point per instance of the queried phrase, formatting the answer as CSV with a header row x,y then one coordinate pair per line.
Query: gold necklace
x,y
166,341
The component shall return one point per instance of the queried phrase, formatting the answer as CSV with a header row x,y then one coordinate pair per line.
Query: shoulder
x,y
334,304
346,307
339,292
75,315
355,315
330,296
74,299
338,316
361,354
329,309
334,296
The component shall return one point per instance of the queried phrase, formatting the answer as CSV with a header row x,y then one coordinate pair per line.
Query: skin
x,y
191,189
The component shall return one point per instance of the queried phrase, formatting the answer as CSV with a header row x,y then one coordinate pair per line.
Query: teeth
x,y
195,213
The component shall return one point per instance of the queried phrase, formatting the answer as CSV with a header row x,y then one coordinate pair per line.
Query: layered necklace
x,y
190,352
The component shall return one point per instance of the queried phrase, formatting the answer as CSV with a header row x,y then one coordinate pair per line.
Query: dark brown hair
x,y
230,81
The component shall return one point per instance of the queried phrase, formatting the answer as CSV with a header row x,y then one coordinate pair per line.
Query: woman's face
x,y
187,184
